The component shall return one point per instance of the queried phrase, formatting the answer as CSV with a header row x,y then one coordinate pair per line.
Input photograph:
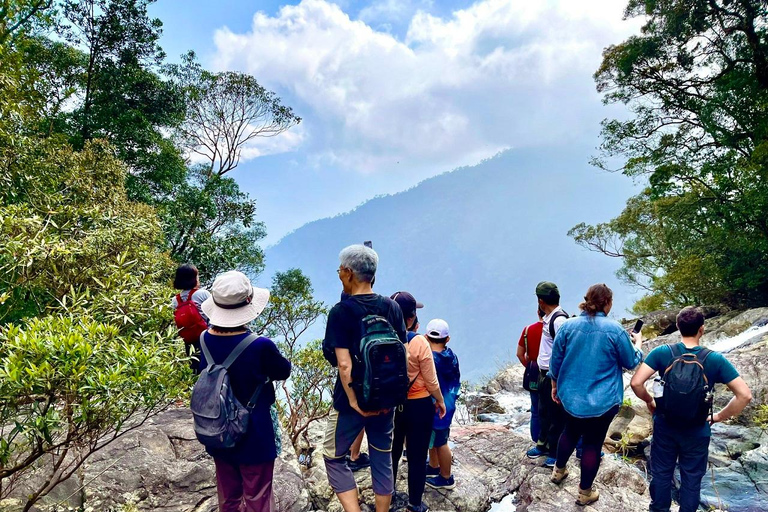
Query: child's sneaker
x,y
558,475
587,497
432,471
414,508
550,462
535,452
439,482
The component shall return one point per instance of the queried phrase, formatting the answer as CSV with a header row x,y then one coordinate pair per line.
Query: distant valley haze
x,y
472,244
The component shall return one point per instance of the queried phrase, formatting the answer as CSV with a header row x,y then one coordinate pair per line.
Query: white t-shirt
x,y
545,347
198,298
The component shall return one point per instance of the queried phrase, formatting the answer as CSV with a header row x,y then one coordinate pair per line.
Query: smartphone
x,y
638,326
368,244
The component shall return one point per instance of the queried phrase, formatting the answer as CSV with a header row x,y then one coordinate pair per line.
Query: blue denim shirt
x,y
588,356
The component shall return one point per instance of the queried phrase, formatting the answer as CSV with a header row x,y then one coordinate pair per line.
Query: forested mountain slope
x,y
472,244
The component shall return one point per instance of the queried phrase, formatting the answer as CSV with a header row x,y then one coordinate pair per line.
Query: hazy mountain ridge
x,y
472,244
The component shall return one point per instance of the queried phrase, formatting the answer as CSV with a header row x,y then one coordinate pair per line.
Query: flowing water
x,y
733,342
507,504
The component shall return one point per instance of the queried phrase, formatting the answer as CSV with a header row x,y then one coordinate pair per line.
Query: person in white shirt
x,y
551,419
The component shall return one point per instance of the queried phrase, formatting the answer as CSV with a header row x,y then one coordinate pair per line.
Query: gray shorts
x,y
340,432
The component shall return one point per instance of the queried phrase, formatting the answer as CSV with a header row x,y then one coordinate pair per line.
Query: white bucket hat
x,y
234,301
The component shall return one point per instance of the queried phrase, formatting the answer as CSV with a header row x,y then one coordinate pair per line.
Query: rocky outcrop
x,y
508,379
489,464
162,467
481,403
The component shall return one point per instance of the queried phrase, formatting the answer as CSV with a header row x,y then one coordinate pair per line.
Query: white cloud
x,y
382,11
500,73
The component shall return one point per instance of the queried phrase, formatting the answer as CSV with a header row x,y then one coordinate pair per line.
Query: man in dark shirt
x,y
347,419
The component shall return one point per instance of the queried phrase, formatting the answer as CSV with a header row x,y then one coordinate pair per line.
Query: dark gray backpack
x,y
220,419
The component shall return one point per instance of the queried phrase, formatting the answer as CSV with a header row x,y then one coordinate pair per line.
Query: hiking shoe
x,y
587,497
550,462
432,471
361,462
417,508
558,475
399,501
439,482
535,452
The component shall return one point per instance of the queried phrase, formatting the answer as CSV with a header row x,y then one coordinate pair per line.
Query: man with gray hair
x,y
343,332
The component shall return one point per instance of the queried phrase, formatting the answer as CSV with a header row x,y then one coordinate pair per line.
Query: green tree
x,y
17,16
306,396
209,220
123,98
696,82
87,350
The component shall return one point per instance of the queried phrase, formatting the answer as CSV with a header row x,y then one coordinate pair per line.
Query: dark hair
x,y
442,341
186,277
229,329
550,300
689,320
597,298
414,324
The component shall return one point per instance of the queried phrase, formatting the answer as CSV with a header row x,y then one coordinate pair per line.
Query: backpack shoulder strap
x,y
675,350
191,293
252,402
239,349
555,315
703,354
525,337
206,352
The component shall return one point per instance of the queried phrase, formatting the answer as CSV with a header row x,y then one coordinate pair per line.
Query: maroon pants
x,y
244,488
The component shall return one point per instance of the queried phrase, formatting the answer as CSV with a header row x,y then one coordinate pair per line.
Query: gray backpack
x,y
220,419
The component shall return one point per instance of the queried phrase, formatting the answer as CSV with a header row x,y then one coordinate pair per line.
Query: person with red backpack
x,y
188,313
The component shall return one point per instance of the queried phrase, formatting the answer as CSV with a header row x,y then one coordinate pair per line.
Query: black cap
x,y
407,302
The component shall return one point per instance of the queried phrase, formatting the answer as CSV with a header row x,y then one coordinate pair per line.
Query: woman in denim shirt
x,y
589,355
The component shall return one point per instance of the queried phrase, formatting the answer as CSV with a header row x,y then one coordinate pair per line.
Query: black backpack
x,y
379,362
220,419
688,396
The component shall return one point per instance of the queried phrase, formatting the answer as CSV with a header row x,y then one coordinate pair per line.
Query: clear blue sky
x,y
395,91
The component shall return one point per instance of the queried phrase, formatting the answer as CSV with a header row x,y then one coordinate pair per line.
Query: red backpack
x,y
188,319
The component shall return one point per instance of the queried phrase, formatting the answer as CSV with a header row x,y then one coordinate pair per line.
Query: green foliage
x,y
210,222
292,310
307,395
70,384
760,416
696,80
18,16
68,229
86,347
107,71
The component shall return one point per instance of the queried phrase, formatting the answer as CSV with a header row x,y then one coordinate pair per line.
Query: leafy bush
x,y
87,351
70,385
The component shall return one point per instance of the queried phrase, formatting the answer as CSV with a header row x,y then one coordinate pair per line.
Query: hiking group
x,y
399,389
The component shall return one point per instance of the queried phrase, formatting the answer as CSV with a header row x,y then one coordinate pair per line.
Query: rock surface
x,y
162,467
489,464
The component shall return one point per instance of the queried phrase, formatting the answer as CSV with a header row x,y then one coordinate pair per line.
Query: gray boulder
x,y
162,467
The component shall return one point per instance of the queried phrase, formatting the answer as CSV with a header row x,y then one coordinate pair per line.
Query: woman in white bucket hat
x,y
244,473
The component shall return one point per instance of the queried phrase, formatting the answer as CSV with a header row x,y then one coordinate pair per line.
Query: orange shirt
x,y
421,366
